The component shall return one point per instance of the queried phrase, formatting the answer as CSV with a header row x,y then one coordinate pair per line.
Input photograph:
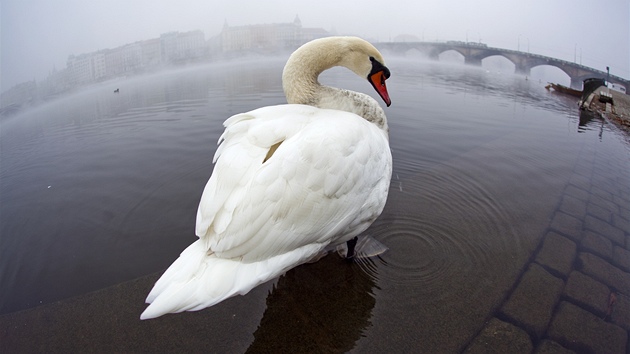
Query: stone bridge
x,y
474,52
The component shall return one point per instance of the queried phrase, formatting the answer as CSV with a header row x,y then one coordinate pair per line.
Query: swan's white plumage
x,y
325,183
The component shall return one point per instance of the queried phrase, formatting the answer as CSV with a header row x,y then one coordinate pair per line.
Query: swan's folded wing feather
x,y
327,176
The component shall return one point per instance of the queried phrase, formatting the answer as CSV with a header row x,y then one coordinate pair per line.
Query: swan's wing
x,y
240,153
326,182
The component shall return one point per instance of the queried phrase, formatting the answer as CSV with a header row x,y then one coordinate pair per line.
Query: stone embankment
x,y
617,111
574,295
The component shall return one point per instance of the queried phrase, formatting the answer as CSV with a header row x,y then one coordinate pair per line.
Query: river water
x,y
100,188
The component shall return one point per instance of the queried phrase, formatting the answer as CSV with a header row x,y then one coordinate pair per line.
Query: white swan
x,y
289,181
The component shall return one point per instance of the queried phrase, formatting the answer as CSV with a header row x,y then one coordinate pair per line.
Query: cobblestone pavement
x,y
574,295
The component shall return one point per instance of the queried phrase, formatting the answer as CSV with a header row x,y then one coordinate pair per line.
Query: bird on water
x,y
290,182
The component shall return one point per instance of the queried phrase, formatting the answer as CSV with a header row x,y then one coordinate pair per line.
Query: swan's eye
x,y
377,66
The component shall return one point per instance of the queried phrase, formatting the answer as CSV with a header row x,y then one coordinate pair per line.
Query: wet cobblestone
x,y
532,302
575,294
587,293
605,229
567,225
550,347
605,272
621,315
597,244
557,254
501,337
621,258
582,331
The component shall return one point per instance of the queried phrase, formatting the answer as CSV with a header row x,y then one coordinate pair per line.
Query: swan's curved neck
x,y
301,85
299,78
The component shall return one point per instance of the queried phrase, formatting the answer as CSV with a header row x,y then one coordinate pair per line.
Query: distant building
x,y
86,68
135,57
151,53
170,48
123,60
268,37
186,46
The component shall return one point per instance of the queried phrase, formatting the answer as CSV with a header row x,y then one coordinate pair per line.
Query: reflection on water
x,y
88,179
102,187
320,307
591,121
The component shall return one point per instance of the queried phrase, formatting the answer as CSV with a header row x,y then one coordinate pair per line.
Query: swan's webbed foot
x,y
365,247
351,245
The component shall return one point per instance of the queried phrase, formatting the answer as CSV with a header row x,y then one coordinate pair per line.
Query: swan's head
x,y
366,61
377,77
300,74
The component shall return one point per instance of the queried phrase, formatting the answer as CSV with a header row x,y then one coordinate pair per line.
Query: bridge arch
x,y
470,56
474,53
551,73
457,50
417,53
499,63
452,56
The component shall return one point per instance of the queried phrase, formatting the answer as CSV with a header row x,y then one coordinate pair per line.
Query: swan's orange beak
x,y
378,82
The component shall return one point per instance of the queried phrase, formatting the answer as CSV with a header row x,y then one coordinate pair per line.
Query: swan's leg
x,y
351,244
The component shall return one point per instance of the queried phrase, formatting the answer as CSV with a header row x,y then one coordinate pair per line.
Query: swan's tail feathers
x,y
197,280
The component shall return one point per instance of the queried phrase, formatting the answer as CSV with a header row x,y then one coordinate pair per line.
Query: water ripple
x,y
440,226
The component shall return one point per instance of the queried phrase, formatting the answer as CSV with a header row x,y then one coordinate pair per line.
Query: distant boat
x,y
564,89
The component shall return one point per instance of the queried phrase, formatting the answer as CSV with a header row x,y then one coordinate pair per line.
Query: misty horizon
x,y
38,36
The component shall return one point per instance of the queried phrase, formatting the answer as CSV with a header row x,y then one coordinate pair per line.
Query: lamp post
x,y
607,78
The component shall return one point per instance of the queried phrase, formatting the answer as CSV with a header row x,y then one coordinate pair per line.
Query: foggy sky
x,y
38,35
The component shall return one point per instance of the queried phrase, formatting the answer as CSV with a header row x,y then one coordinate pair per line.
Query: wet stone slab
x,y
621,258
583,168
603,191
604,203
573,206
581,182
597,244
577,193
614,234
557,254
620,222
567,225
587,293
532,302
582,331
500,337
622,199
621,311
599,212
604,272
550,347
